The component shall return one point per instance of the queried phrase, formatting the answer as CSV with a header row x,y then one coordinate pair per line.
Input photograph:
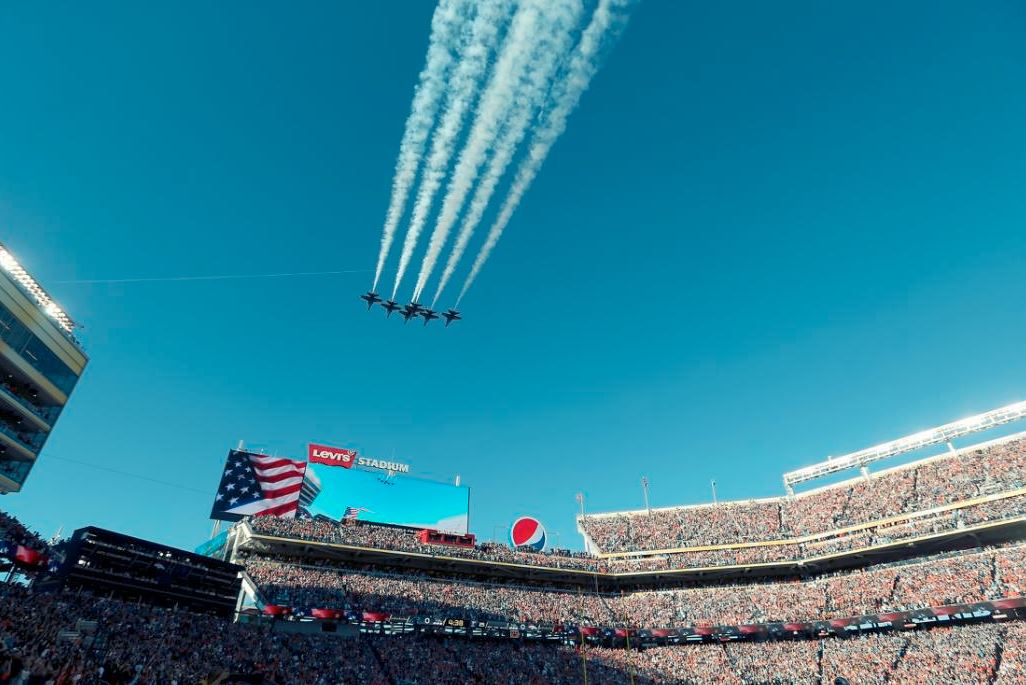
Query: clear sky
x,y
771,232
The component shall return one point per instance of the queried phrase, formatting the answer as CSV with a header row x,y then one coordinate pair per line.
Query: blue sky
x,y
771,232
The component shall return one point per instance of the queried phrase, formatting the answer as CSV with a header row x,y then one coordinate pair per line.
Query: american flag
x,y
352,513
258,485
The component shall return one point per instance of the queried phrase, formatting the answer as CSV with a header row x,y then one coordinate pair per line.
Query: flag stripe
x,y
274,478
279,484
281,492
300,466
278,474
263,504
283,511
266,462
280,469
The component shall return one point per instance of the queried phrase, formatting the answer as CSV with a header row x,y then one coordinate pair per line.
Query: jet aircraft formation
x,y
500,79
410,311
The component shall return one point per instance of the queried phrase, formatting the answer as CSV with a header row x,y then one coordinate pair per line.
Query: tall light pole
x,y
644,490
713,482
580,500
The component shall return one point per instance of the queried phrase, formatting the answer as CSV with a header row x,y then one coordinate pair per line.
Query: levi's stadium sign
x,y
332,456
336,456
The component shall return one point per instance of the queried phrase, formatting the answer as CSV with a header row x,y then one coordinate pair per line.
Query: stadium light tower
x,y
644,490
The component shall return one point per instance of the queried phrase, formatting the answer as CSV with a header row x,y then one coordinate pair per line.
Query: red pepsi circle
x,y
528,531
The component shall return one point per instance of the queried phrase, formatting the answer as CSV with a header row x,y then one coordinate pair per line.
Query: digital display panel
x,y
386,497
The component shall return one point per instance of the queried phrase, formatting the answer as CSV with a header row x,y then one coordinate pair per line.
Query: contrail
x,y
551,50
462,88
605,26
536,61
448,18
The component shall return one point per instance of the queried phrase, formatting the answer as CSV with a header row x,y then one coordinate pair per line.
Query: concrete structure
x,y
40,364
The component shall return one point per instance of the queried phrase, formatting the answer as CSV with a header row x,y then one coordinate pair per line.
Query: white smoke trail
x,y
606,23
449,16
520,57
550,53
461,90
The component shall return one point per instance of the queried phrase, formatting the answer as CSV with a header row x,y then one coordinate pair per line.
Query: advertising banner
x,y
332,456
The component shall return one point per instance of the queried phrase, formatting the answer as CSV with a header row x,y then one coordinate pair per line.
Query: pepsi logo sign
x,y
528,532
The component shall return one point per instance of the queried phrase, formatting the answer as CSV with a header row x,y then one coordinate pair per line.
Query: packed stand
x,y
405,539
15,532
935,581
949,578
362,534
966,475
414,594
68,638
51,638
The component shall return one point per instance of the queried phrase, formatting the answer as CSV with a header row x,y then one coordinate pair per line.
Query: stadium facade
x,y
40,364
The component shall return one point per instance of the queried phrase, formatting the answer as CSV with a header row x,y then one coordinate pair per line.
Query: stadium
x,y
911,570
692,247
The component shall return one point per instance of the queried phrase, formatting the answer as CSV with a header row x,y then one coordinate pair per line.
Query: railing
x,y
47,414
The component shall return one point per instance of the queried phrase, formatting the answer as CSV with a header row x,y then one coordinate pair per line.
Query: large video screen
x,y
382,498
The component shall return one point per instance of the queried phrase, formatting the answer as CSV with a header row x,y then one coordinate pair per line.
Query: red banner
x,y
332,456
29,557
276,610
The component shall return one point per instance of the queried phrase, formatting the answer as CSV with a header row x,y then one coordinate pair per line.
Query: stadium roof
x,y
820,488
46,303
910,443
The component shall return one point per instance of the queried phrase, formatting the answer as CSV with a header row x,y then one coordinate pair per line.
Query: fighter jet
x,y
428,315
409,312
390,307
414,307
370,298
450,316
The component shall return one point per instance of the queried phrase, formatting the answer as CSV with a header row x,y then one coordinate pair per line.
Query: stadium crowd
x,y
957,477
362,534
950,578
76,639
85,640
933,581
413,594
399,539
14,532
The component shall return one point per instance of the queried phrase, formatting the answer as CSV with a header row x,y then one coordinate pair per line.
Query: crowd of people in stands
x,y
957,477
404,539
362,534
951,578
14,532
414,594
83,640
904,500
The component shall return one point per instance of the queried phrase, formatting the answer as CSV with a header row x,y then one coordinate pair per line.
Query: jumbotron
x,y
910,574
